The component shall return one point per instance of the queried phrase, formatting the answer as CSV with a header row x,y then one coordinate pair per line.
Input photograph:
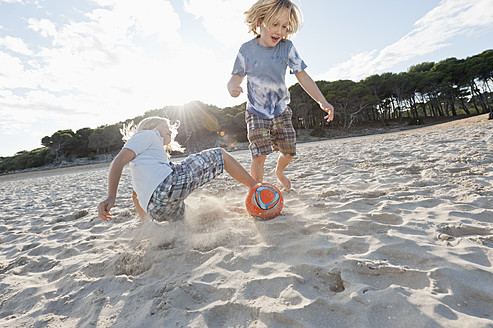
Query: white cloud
x,y
228,28
104,65
450,18
103,61
357,67
13,74
131,18
96,55
44,26
15,45
20,113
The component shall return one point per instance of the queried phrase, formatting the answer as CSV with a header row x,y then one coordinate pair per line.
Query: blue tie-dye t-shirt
x,y
265,68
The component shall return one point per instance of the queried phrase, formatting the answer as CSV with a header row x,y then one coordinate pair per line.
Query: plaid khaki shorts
x,y
167,201
268,135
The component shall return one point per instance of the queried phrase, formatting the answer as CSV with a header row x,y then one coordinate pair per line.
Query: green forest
x,y
451,87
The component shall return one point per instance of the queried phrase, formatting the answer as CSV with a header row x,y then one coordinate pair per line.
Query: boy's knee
x,y
224,153
259,159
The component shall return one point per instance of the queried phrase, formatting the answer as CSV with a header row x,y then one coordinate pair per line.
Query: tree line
x,y
448,88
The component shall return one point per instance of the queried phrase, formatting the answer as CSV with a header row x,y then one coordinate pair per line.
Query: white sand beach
x,y
390,230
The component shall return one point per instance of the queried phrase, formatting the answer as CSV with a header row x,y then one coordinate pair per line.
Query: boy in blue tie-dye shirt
x,y
264,61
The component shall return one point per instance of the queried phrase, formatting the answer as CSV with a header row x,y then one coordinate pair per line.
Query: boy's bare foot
x,y
285,182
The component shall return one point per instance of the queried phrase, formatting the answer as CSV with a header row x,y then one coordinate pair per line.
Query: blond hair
x,y
267,12
151,123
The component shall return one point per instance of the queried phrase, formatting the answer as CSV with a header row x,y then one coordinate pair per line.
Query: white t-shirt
x,y
150,165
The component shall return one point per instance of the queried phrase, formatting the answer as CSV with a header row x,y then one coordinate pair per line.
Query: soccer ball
x,y
264,201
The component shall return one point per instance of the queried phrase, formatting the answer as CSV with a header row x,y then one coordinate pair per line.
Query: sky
x,y
87,63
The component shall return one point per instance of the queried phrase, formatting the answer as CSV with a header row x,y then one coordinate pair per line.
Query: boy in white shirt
x,y
160,187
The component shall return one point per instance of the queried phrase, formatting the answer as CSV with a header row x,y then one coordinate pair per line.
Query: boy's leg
x,y
237,171
285,140
282,162
167,201
140,210
257,168
259,135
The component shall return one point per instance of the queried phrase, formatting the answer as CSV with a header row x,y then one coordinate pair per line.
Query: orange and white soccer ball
x,y
264,201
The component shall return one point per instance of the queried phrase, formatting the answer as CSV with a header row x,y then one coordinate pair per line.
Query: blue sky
x,y
75,64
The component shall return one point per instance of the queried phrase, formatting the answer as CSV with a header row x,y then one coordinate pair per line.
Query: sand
x,y
392,230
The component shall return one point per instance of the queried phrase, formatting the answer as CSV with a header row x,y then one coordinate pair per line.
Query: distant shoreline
x,y
302,135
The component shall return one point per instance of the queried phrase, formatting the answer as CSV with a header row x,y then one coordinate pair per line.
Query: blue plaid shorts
x,y
167,201
276,134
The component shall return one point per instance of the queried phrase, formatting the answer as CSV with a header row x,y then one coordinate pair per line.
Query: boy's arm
x,y
116,168
234,87
312,89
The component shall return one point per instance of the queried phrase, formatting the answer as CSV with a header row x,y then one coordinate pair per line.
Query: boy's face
x,y
271,35
165,132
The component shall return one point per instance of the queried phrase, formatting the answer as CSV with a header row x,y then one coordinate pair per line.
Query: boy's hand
x,y
104,208
326,107
236,91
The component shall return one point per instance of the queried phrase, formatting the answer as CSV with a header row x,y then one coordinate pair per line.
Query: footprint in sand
x,y
464,230
387,218
452,235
